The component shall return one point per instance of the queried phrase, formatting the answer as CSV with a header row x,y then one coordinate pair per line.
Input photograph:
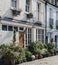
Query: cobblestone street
x,y
46,61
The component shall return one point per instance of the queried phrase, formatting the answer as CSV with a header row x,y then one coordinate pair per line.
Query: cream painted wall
x,y
5,11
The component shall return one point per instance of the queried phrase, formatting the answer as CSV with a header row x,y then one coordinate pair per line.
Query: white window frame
x,y
27,5
39,35
27,37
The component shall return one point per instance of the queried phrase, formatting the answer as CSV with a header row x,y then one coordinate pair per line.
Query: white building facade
x,y
27,17
52,21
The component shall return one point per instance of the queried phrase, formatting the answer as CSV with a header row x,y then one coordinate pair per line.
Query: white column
x,y
33,34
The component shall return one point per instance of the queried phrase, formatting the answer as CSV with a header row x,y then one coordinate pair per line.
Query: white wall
x,y
53,31
5,11
7,37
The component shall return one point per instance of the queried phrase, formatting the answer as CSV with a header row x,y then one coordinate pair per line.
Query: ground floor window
x,y
40,35
9,28
28,36
4,27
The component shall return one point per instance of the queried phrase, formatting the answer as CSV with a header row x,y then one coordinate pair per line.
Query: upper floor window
x,y
57,20
27,5
56,2
14,3
38,6
51,20
53,1
51,13
40,35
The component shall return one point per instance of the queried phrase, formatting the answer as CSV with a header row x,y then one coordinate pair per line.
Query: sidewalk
x,y
45,61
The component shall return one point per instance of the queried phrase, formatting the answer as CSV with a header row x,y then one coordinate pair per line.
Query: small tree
x,y
14,37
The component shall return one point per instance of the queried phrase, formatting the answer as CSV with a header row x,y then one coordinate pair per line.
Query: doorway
x,y
21,39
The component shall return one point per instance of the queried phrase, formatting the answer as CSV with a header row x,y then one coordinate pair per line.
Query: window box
x,y
29,15
15,11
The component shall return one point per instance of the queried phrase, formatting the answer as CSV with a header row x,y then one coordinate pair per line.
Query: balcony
x,y
15,11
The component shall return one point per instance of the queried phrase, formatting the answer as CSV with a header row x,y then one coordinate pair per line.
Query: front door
x,y
21,39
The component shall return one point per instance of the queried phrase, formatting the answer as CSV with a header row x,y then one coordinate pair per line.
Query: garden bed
x,y
16,55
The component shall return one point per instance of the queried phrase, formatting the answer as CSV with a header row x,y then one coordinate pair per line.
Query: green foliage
x,y
12,52
14,36
36,46
50,46
28,55
44,51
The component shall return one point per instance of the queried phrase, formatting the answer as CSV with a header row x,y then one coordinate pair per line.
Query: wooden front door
x,y
21,39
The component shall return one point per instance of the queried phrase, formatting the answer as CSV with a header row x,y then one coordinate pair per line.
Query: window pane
x,y
4,27
10,28
21,28
27,5
16,28
14,3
